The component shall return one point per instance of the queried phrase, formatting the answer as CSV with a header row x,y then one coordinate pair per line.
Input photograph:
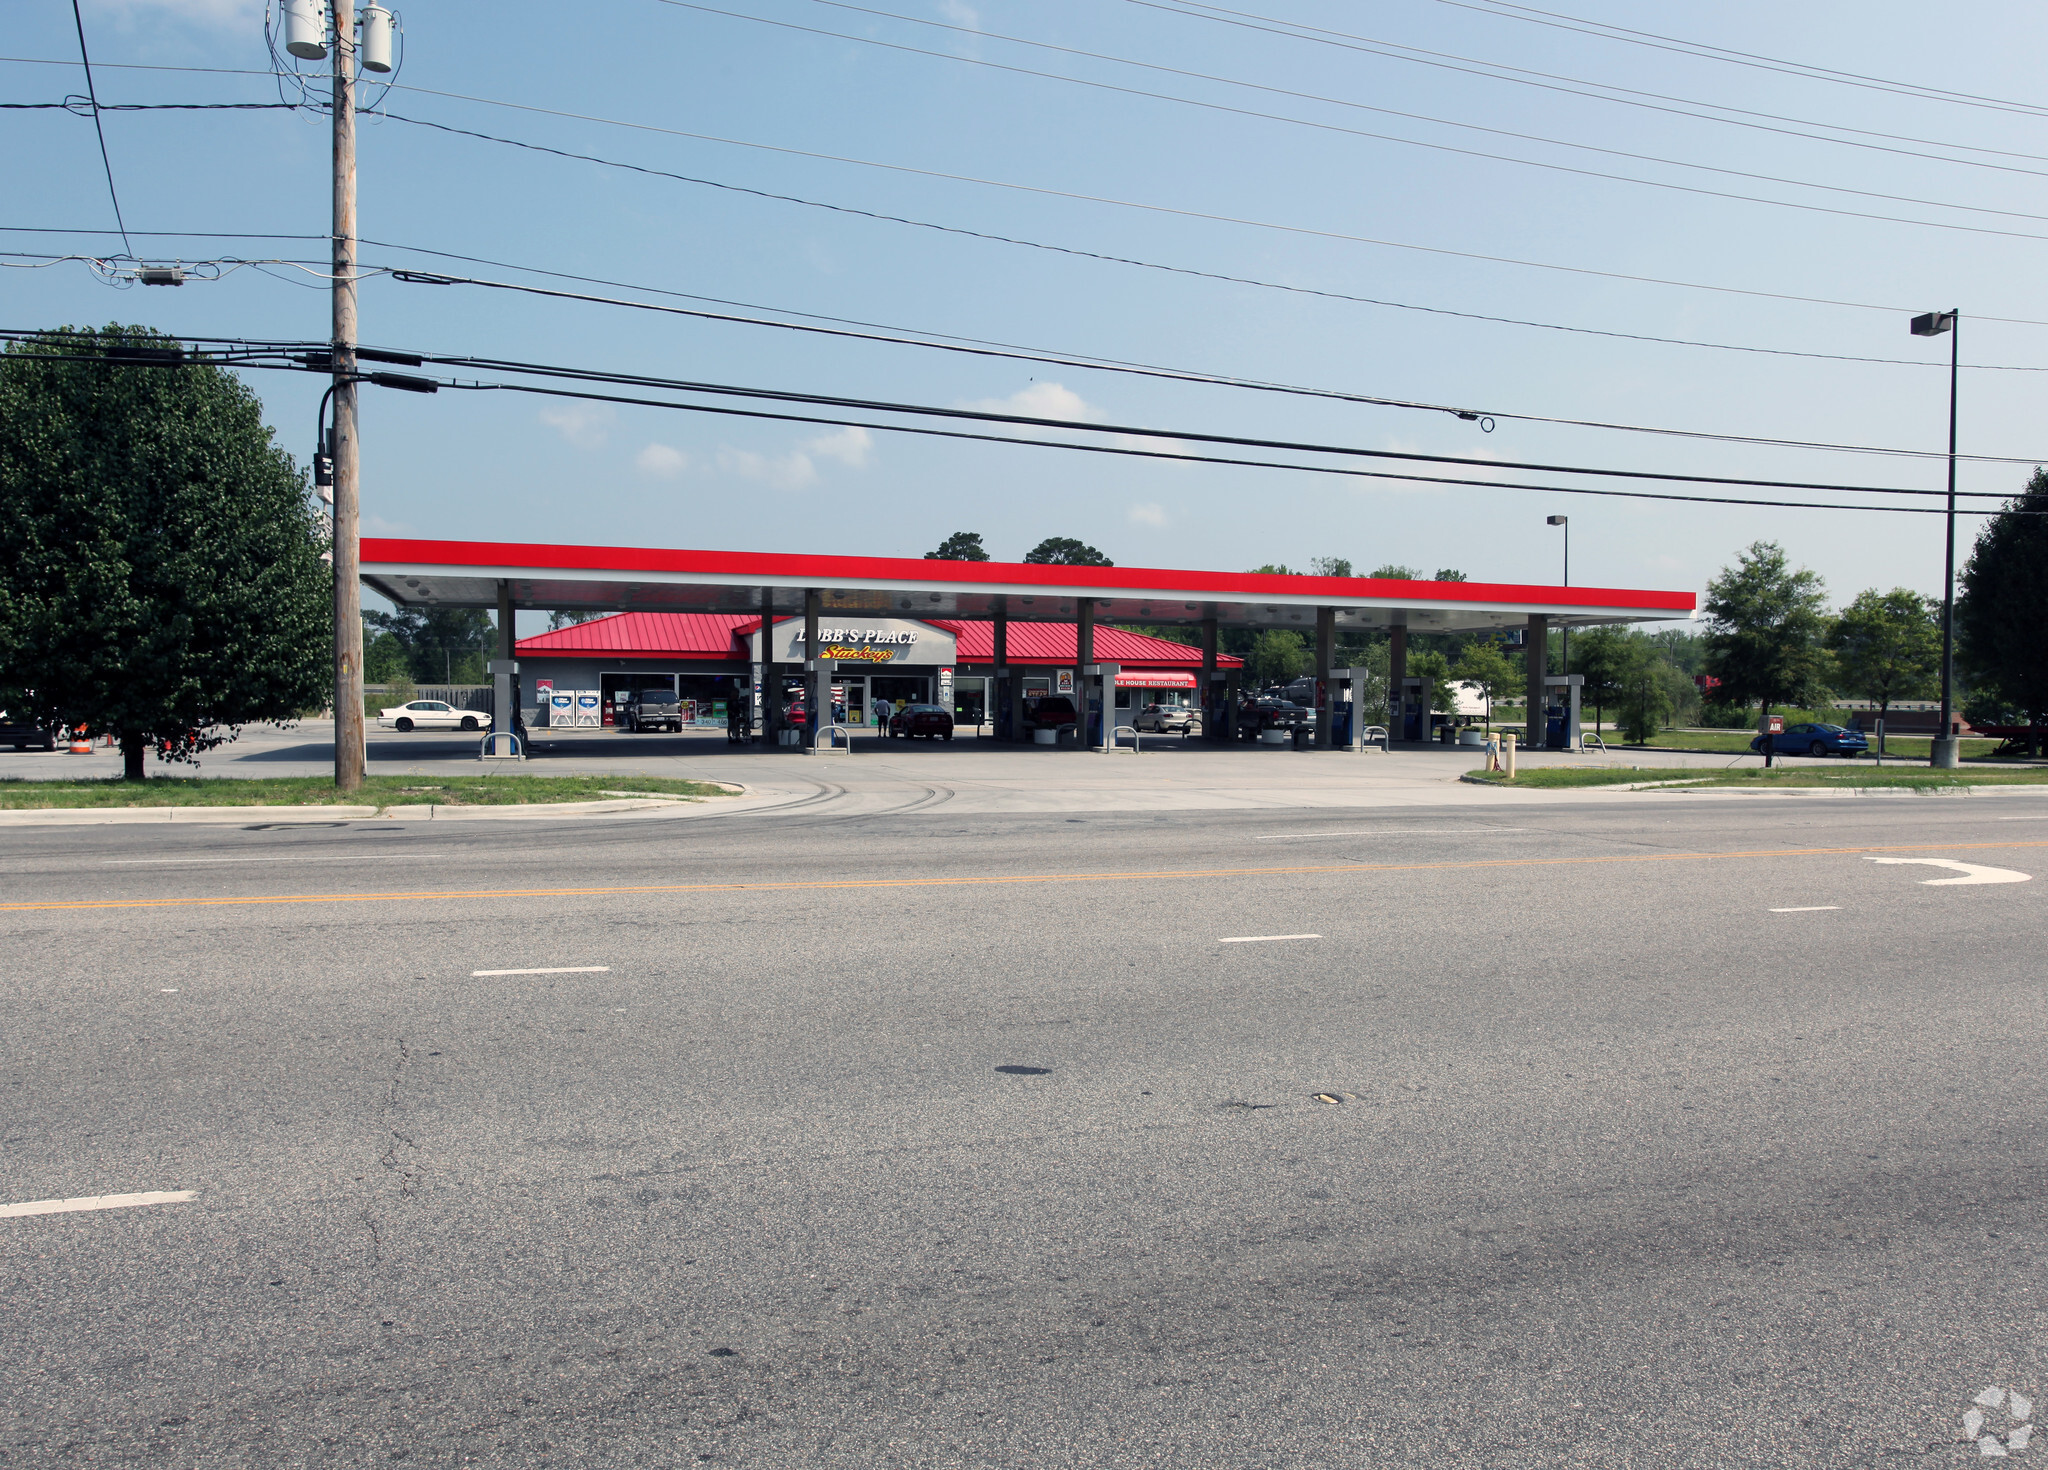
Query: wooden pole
x,y
349,754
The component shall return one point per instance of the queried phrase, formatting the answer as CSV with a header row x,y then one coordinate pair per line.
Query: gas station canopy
x,y
415,573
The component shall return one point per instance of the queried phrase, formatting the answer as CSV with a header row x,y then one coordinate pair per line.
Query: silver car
x,y
1163,718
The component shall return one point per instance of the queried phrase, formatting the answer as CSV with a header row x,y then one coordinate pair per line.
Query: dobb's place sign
x,y
881,641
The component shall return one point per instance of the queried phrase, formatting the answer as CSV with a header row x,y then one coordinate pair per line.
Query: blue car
x,y
1813,740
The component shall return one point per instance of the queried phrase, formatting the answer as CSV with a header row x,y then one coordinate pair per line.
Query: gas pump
x,y
1409,709
1561,711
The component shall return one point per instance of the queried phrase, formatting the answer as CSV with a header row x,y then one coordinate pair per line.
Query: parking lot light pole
x,y
1944,752
1564,633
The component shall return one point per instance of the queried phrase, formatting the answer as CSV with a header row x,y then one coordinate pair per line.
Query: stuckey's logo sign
x,y
859,645
856,653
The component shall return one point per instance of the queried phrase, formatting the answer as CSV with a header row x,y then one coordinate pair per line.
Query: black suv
x,y
1049,712
1265,712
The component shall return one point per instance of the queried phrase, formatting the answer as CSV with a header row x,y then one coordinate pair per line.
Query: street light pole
x,y
342,446
1565,633
1944,752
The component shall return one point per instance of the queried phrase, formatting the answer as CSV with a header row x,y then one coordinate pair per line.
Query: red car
x,y
929,720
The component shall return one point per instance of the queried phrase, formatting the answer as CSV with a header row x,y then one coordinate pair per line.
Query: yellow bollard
x,y
1508,754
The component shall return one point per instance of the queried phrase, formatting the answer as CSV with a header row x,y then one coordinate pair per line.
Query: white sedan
x,y
429,714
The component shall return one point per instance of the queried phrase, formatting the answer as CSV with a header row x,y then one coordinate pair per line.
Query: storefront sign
x,y
1066,682
871,642
945,699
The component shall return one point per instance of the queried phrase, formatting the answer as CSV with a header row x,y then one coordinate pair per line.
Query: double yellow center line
x,y
829,884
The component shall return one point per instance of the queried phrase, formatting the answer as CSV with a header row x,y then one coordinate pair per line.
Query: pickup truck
x,y
655,709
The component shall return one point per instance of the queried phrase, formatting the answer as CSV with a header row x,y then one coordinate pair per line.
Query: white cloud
x,y
798,469
586,426
378,526
1040,401
849,446
960,13
661,461
793,471
1148,514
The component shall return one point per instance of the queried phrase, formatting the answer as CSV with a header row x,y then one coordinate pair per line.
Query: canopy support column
x,y
819,669
1326,652
1538,669
1205,691
1084,655
1004,713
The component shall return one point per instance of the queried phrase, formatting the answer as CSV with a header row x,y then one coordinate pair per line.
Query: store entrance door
x,y
853,699
899,690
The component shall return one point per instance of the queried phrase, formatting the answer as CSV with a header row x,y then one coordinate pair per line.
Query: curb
x,y
290,815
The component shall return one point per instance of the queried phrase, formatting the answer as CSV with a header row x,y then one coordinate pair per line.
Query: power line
x,y
1137,431
1559,21
2016,321
1499,71
290,357
981,347
1363,107
1153,265
885,333
92,95
1185,458
1481,256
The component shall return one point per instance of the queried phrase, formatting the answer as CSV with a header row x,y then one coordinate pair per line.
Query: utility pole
x,y
348,595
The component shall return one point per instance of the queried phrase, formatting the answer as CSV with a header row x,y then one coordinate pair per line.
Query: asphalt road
x,y
930,1140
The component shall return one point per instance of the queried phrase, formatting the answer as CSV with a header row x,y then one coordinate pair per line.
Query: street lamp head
x,y
1557,520
1933,323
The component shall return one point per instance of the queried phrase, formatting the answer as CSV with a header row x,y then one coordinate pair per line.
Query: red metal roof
x,y
1053,644
721,637
647,635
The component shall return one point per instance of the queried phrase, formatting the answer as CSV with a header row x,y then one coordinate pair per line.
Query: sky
x,y
1504,241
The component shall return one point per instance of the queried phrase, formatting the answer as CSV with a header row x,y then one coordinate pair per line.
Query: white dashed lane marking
x,y
96,1202
1811,908
1264,938
556,970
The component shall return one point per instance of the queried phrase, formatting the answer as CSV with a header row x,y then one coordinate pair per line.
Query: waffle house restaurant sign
x,y
880,642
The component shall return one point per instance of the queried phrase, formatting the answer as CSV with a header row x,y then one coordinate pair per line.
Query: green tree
x,y
1484,665
1598,655
1394,571
1329,566
1065,551
1448,574
1998,611
1277,656
1887,647
384,660
160,560
1435,670
960,546
561,617
1646,687
1766,631
1275,569
443,645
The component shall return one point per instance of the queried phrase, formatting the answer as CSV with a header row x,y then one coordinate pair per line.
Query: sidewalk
x,y
967,775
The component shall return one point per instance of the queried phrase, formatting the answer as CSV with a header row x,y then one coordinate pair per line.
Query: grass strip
x,y
1553,778
382,791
